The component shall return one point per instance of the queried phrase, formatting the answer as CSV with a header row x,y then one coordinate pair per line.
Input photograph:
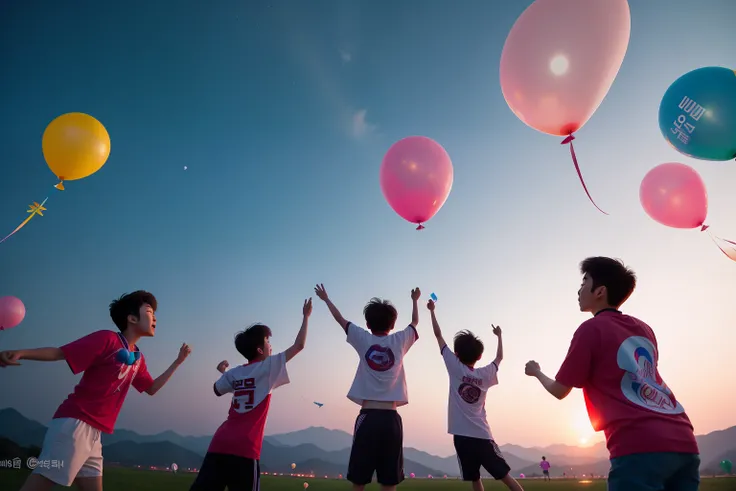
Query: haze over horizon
x,y
282,114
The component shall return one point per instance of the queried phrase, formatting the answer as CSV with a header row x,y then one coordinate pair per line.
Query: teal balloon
x,y
726,465
697,115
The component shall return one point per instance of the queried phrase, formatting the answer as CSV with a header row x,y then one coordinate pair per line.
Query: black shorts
x,y
546,473
472,453
378,446
221,470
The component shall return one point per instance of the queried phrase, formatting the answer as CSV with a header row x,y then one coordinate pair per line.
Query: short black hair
x,y
380,315
247,342
544,458
468,347
619,280
130,304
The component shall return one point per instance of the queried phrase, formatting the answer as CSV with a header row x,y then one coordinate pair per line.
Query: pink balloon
x,y
416,177
674,195
561,58
12,312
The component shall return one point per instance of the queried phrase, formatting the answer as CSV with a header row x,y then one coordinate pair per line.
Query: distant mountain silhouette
x,y
326,452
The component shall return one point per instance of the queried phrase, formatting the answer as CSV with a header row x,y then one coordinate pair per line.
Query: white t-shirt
x,y
380,375
466,407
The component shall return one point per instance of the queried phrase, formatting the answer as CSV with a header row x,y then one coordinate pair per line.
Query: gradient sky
x,y
282,112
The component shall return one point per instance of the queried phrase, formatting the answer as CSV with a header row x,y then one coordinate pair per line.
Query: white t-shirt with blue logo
x,y
466,407
380,374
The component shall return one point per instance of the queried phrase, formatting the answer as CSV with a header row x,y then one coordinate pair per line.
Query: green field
x,y
127,480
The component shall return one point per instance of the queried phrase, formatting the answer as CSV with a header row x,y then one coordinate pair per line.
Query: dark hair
x,y
544,458
619,280
247,342
468,347
380,315
130,304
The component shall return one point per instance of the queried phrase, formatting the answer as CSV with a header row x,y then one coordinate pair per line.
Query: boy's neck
x,y
604,308
131,337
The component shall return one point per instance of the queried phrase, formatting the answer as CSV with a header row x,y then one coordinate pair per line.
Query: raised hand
x,y
321,293
183,352
496,330
222,366
532,368
307,309
9,358
416,293
430,305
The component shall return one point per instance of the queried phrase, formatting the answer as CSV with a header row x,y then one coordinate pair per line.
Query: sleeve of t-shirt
x,y
407,337
143,380
277,375
358,337
82,353
224,384
489,374
453,364
575,370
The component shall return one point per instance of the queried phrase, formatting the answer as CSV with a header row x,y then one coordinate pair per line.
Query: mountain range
x,y
322,451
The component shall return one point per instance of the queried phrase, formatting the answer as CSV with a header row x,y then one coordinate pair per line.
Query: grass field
x,y
137,480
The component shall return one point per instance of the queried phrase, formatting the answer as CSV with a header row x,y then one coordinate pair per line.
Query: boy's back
x,y
613,357
466,407
380,375
242,433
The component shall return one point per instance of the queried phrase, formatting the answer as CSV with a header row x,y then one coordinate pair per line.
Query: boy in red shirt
x,y
233,457
111,363
613,358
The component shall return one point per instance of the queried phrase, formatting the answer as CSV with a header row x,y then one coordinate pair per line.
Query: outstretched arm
x,y
499,349
415,294
301,336
161,380
553,387
11,358
320,291
436,325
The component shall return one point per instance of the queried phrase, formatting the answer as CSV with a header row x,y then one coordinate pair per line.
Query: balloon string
x,y
569,140
731,254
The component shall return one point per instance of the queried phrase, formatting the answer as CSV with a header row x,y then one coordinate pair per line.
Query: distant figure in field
x,y
379,387
466,412
613,357
233,457
544,464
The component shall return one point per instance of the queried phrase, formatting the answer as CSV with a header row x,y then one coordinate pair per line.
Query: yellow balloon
x,y
75,146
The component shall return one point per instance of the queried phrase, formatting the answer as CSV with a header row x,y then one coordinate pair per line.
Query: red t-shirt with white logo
x,y
613,358
98,397
251,385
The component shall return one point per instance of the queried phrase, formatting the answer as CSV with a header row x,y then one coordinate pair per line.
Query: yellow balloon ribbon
x,y
34,209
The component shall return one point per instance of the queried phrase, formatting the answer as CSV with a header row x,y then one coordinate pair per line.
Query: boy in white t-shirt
x,y
233,457
466,408
379,387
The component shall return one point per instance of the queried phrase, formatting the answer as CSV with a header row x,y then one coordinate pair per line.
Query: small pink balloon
x,y
674,195
561,58
412,475
416,177
12,312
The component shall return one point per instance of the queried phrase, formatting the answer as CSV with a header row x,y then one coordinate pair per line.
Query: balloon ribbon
x,y
34,209
569,140
729,249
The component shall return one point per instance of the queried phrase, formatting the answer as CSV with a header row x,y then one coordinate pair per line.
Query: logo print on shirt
x,y
469,393
640,383
244,395
379,358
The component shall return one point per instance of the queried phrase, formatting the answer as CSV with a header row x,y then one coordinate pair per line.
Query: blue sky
x,y
282,112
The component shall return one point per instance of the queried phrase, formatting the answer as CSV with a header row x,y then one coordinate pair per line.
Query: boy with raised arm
x,y
613,358
233,457
466,407
379,387
110,362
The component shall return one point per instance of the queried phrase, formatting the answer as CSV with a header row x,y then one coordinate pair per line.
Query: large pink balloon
x,y
12,312
416,178
674,195
561,58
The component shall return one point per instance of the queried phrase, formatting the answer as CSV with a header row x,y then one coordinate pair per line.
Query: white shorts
x,y
71,449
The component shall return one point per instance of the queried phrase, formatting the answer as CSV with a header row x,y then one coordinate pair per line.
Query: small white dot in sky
x,y
559,65
185,167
